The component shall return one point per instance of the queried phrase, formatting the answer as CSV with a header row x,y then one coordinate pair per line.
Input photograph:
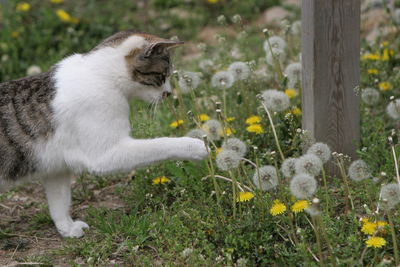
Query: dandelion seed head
x,y
275,42
276,52
222,80
303,186
308,164
206,65
288,167
321,150
265,178
275,100
296,27
391,194
293,72
359,170
236,145
197,133
393,109
188,81
33,70
370,96
396,15
240,70
214,129
227,160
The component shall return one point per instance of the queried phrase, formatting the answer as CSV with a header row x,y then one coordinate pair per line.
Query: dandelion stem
x,y
240,186
327,198
394,240
318,239
346,182
396,165
274,132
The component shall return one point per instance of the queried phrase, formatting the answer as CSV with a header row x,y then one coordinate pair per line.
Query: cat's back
x,y
25,118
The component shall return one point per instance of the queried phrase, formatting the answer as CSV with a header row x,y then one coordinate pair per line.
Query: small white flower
x,y
222,79
390,194
196,133
393,109
33,70
279,54
370,96
275,42
309,164
236,145
275,100
321,150
214,129
303,186
293,72
296,27
265,178
188,81
187,252
288,167
227,160
359,170
240,70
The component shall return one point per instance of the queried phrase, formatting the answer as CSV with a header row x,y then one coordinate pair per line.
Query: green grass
x,y
182,223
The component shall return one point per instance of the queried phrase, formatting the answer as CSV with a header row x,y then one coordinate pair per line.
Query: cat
x,y
74,118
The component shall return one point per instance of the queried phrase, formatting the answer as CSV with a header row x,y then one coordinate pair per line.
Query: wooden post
x,y
331,72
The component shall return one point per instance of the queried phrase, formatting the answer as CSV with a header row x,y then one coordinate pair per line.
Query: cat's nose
x,y
166,94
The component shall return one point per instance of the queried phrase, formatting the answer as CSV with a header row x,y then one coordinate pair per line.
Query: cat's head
x,y
147,62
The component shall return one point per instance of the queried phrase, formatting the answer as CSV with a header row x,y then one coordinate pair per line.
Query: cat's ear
x,y
160,46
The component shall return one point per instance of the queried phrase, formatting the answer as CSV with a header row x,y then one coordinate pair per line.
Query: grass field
x,y
229,210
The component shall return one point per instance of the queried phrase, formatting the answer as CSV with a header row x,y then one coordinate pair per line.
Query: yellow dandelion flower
x,y
65,17
15,34
176,124
375,242
385,43
204,117
160,180
385,86
244,196
296,111
23,7
300,206
218,150
229,119
255,128
253,120
370,56
228,131
386,54
277,208
212,1
57,1
381,223
369,228
291,93
373,71
365,220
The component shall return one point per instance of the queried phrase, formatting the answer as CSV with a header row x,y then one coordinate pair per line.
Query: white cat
x,y
82,120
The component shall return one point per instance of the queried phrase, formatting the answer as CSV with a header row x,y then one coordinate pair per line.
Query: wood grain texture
x,y
331,72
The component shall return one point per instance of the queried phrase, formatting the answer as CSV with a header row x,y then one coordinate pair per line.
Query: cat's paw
x,y
194,149
72,229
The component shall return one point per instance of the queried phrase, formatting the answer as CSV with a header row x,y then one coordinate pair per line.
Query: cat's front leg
x,y
58,192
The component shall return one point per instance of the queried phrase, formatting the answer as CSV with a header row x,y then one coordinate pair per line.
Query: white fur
x,y
91,115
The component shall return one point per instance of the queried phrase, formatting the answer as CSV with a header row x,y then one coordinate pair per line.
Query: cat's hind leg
x,y
58,192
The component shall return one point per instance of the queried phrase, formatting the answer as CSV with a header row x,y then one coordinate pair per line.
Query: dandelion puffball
x,y
303,186
240,70
188,81
222,80
196,133
288,167
206,65
276,42
279,54
321,150
359,170
265,178
214,129
275,100
390,195
235,145
370,96
296,27
33,70
293,72
227,160
309,164
393,109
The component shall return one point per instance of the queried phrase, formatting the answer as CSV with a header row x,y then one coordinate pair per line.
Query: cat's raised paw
x,y
194,149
